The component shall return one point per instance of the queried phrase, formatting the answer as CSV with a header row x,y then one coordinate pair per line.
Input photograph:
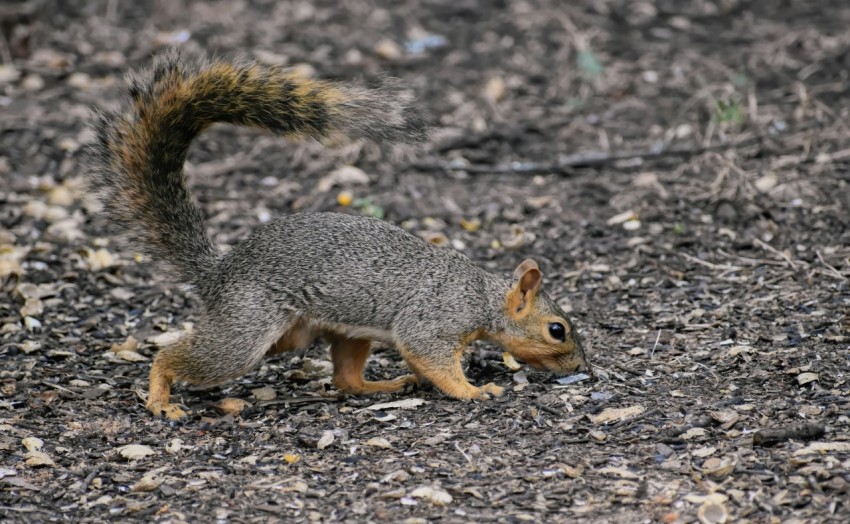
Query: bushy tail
x,y
139,153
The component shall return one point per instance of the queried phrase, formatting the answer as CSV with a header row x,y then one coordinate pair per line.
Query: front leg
x,y
349,358
442,367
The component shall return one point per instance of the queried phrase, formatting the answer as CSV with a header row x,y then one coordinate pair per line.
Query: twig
x,y
23,509
298,400
5,52
90,477
709,265
657,338
834,272
768,247
716,378
805,431
549,409
467,457
631,420
60,388
220,167
752,261
567,164
627,369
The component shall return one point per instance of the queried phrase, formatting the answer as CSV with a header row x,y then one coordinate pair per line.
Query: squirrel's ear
x,y
527,278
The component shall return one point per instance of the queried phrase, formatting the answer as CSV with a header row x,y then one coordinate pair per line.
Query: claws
x,y
170,411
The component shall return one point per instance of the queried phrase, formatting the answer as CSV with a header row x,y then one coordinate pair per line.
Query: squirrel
x,y
350,279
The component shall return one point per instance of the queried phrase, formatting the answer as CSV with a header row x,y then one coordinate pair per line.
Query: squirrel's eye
x,y
558,331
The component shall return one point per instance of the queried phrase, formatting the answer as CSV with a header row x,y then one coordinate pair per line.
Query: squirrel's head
x,y
538,331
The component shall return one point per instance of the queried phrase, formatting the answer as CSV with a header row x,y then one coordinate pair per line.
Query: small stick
x,y
805,431
768,247
549,409
629,421
831,268
457,447
95,471
566,165
651,353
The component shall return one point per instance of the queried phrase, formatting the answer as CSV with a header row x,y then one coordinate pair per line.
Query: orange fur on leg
x,y
299,336
349,358
446,374
160,392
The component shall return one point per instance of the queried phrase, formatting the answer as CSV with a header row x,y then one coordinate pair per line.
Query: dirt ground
x,y
679,169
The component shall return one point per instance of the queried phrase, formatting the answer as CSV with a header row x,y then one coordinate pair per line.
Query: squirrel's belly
x,y
361,332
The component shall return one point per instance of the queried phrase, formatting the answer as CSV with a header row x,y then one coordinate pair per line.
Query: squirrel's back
x,y
353,269
139,152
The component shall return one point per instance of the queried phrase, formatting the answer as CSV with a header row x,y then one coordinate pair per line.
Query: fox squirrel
x,y
350,279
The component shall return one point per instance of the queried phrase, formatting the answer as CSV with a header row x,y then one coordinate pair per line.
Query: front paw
x,y
493,389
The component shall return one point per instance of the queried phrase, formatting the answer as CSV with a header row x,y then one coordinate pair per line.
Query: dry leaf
x,y
805,378
622,473
824,447
149,482
343,175
135,451
33,443
617,414
388,49
766,182
694,433
716,498
326,440
99,259
128,345
297,486
621,218
378,442
36,459
174,446
494,90
165,339
598,436
264,393
704,452
718,468
727,418
712,513
435,496
33,307
131,356
231,406
291,458
470,225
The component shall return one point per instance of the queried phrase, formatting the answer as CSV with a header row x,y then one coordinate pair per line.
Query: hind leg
x,y
349,358
299,336
161,378
218,351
